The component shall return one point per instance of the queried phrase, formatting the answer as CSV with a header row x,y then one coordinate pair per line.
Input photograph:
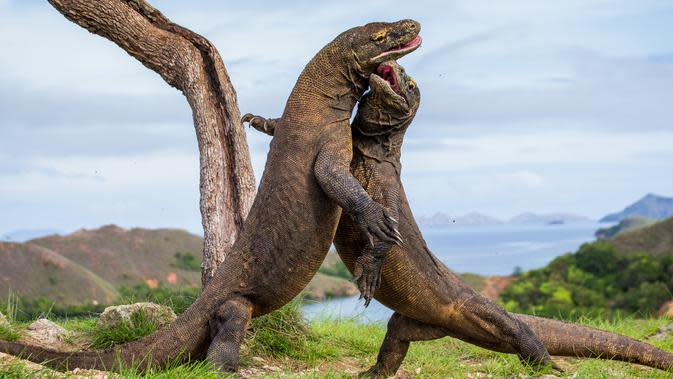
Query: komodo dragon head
x,y
391,102
377,42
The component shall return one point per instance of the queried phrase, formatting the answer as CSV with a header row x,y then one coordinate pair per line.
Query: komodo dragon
x,y
429,300
291,224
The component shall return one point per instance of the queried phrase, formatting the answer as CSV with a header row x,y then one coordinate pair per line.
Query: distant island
x,y
440,219
472,218
651,206
547,218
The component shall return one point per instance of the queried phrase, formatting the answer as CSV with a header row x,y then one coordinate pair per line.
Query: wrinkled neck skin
x,y
328,88
385,147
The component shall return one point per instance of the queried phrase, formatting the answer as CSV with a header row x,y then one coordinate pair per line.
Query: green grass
x,y
283,344
281,333
9,333
139,326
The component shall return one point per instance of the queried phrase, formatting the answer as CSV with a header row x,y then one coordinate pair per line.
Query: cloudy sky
x,y
527,105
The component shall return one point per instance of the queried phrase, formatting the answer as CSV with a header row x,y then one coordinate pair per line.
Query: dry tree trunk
x,y
190,63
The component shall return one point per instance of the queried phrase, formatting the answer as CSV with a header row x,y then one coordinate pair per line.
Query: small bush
x,y
187,261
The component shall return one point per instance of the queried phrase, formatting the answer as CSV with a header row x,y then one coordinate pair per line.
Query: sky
x,y
526,106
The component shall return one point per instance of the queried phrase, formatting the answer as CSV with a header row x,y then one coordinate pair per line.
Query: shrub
x,y
595,280
187,261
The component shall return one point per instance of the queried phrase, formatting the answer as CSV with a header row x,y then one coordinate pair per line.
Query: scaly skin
x,y
292,221
429,300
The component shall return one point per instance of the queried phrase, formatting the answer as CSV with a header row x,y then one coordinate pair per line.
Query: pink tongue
x,y
413,42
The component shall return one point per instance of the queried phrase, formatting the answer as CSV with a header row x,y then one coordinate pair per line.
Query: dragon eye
x,y
412,84
379,36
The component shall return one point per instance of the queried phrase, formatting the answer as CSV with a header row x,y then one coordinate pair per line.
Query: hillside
x,y
90,266
127,257
627,224
656,239
652,206
34,271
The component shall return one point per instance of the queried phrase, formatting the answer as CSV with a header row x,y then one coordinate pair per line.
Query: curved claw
x,y
399,239
247,117
385,236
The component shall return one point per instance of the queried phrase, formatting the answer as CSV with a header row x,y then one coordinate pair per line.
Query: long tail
x,y
571,340
184,338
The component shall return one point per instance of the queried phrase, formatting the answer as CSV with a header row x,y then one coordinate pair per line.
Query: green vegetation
x,y
283,345
178,299
139,326
8,333
281,333
187,261
337,269
625,225
26,309
595,280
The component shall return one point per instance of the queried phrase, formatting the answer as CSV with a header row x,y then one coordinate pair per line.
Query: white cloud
x,y
526,105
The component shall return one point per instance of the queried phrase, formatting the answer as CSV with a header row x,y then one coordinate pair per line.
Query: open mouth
x,y
385,81
401,49
388,74
414,43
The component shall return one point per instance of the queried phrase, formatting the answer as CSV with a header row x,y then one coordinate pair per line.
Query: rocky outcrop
x,y
130,313
45,333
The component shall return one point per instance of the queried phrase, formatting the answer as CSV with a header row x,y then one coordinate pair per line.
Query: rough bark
x,y
190,63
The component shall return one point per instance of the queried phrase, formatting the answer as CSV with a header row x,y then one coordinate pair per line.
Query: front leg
x,y
332,171
369,265
368,269
264,125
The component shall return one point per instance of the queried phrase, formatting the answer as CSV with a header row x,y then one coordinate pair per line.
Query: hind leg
x,y
228,329
486,324
401,331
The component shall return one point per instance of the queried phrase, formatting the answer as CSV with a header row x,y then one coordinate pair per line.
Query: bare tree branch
x,y
190,63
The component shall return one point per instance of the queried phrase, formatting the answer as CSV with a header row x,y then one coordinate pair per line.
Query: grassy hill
x,y
625,225
656,239
34,271
90,266
126,257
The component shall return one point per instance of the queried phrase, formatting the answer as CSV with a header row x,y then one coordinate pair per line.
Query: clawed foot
x,y
367,276
375,220
258,122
